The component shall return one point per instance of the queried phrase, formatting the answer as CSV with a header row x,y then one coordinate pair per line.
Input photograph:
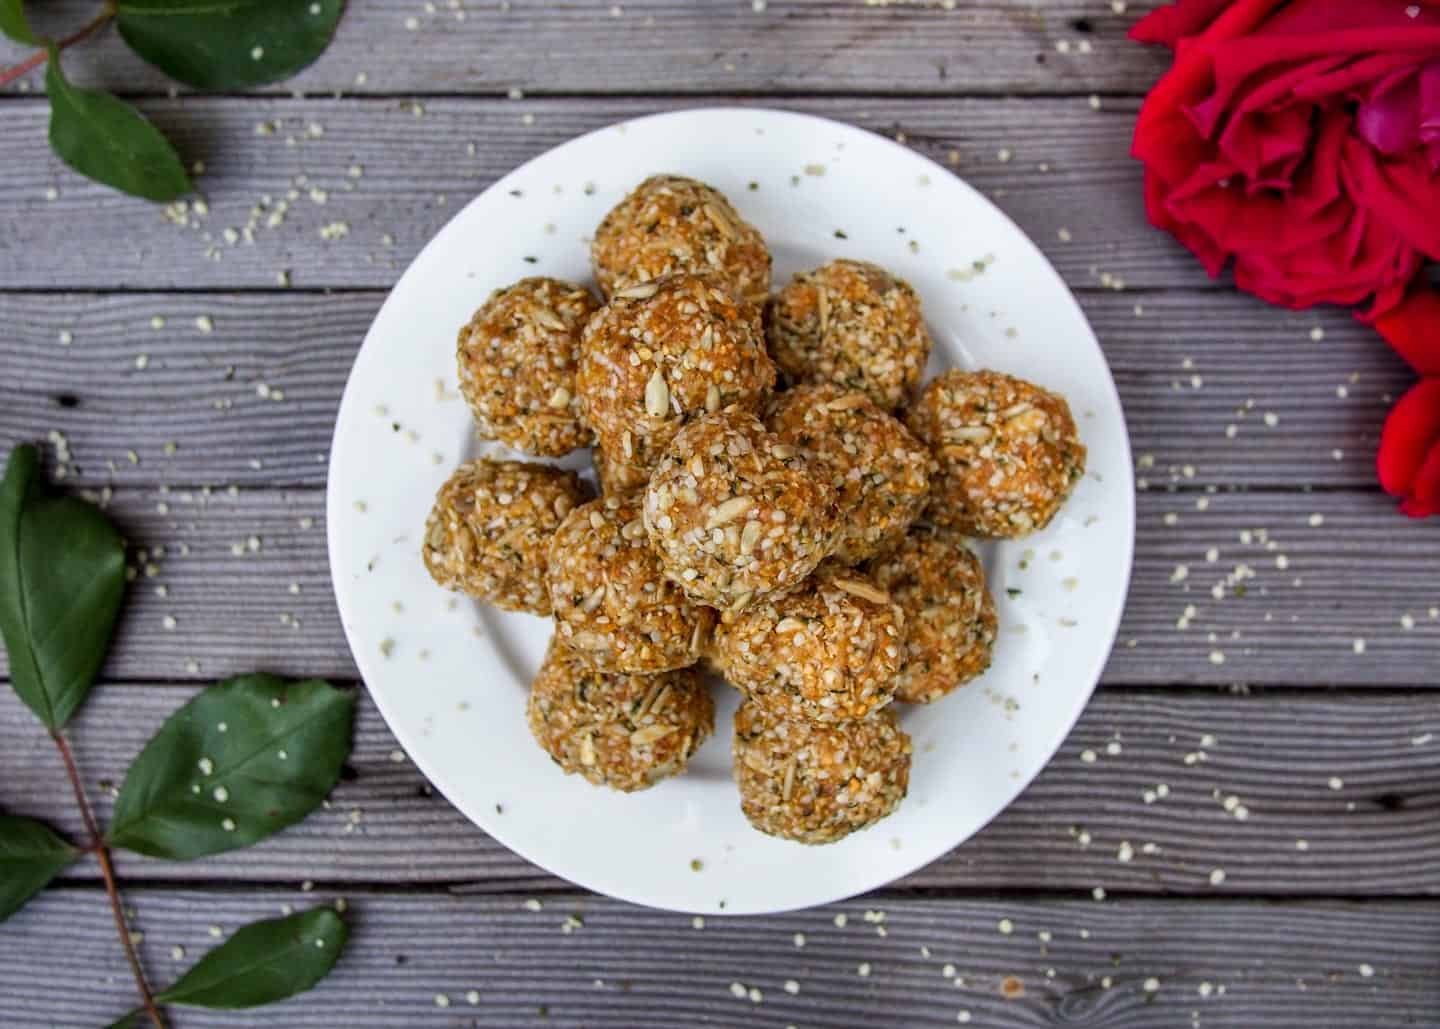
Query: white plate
x,y
451,677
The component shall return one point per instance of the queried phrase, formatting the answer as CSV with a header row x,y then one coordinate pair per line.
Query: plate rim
x,y
910,863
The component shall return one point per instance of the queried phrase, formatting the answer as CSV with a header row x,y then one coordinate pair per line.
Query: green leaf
x,y
31,854
109,141
228,44
128,1020
62,576
14,23
263,962
243,759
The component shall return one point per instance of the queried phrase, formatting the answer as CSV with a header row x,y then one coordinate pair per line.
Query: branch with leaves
x,y
218,45
241,760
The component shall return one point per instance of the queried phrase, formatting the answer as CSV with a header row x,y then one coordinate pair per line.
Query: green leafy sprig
x,y
241,760
214,45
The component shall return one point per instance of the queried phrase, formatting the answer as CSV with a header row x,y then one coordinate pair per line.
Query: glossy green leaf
x,y
109,141
263,962
228,44
14,24
129,1020
62,576
243,759
31,854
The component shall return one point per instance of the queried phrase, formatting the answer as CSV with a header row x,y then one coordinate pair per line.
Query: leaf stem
x,y
102,852
36,59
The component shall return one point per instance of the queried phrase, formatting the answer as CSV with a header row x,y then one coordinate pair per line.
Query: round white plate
x,y
450,675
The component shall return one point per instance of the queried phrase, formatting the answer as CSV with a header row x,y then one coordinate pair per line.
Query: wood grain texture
x,y
691,47
1118,965
1049,163
1188,367
1275,754
1297,625
1001,92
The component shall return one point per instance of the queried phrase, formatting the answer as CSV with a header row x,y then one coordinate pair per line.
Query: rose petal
x,y
1356,76
1430,114
1303,17
1412,430
1390,119
1424,497
1267,146
1192,236
1413,329
1192,76
1397,190
1430,102
1402,111
1169,24
1386,300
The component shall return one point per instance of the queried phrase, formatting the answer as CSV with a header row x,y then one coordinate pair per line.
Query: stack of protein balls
x,y
764,508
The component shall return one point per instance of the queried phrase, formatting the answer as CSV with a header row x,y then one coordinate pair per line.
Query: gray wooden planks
x,y
413,959
1296,625
1189,365
1215,963
689,47
1050,163
1275,754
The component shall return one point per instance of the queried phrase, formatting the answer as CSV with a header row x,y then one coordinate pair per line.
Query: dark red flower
x,y
1413,329
1300,139
1409,458
1409,461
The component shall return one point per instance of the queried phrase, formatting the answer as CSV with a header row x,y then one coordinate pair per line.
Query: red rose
x,y
1409,460
1301,139
1413,329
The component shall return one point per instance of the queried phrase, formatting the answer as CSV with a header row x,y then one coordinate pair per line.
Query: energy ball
x,y
660,355
672,224
880,472
949,614
612,603
623,731
1008,452
818,783
735,514
827,652
489,530
517,359
853,324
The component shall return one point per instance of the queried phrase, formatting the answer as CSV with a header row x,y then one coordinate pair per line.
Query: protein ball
x,y
673,224
735,514
1008,452
623,731
880,472
828,651
490,528
818,783
661,354
949,614
853,324
612,603
517,358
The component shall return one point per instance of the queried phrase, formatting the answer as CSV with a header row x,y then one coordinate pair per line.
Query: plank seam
x,y
1208,287
560,890
603,95
1158,690
1170,489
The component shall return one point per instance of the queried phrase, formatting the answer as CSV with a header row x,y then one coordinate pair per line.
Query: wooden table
x,y
1247,843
